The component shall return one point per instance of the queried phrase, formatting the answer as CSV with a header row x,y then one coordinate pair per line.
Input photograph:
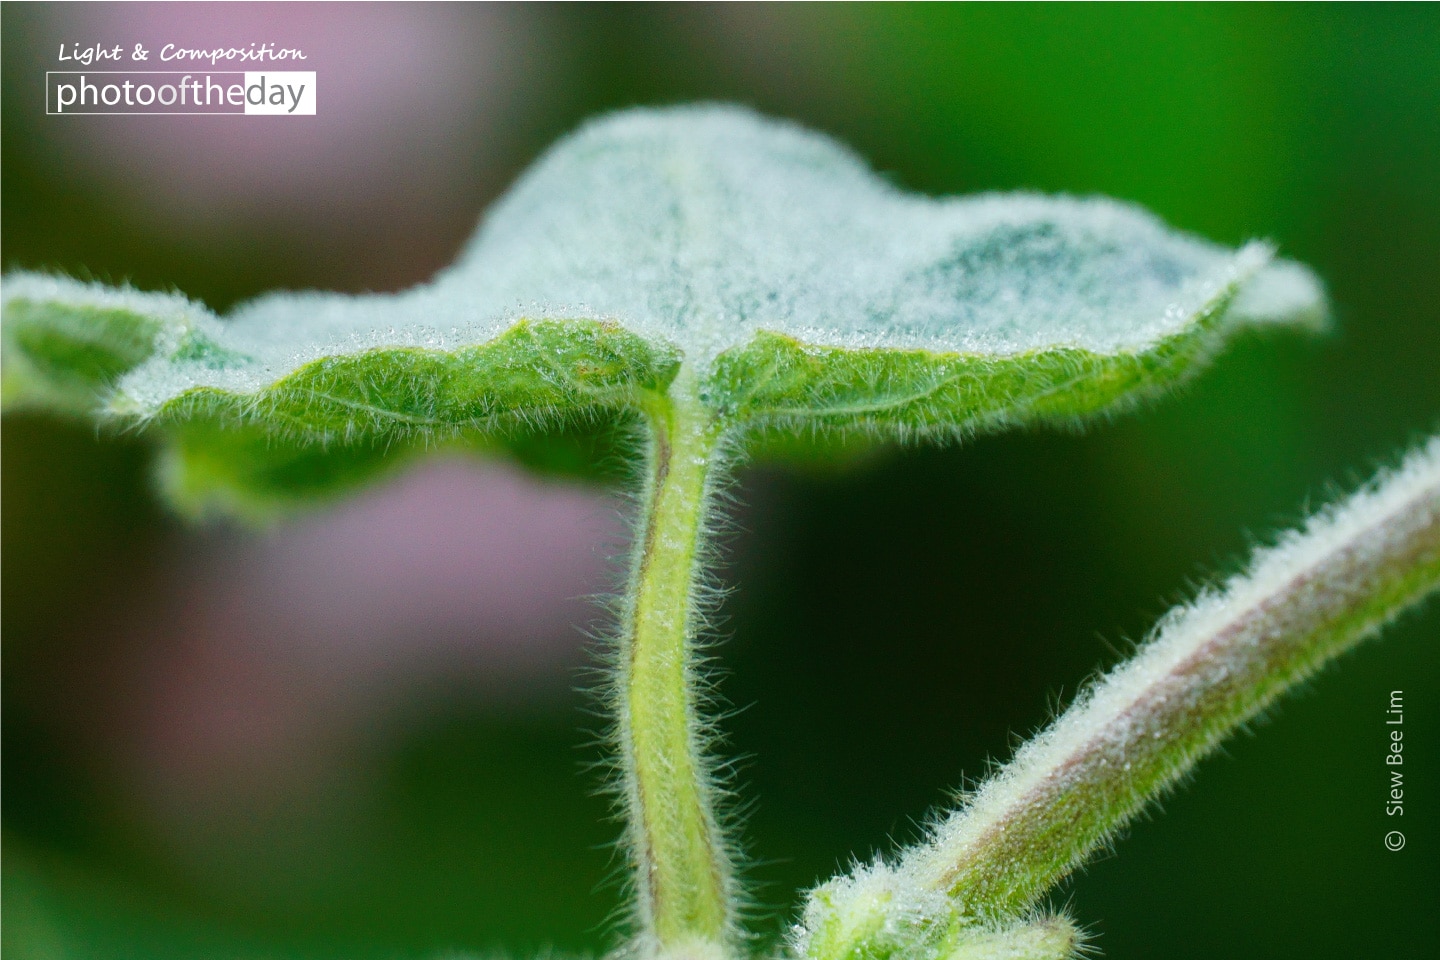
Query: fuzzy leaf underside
x,y
64,356
778,385
337,422
807,295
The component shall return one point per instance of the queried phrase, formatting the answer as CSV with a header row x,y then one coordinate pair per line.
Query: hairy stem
x,y
683,873
1211,666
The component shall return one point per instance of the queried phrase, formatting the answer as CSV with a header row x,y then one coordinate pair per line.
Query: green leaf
x,y
804,292
65,343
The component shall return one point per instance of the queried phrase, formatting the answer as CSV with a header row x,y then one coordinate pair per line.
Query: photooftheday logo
x,y
176,92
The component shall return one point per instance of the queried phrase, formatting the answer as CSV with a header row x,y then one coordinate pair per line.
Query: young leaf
x,y
802,291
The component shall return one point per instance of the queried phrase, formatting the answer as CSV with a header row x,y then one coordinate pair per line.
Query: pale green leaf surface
x,y
802,289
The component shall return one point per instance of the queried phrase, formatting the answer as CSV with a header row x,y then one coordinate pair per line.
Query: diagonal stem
x,y
1212,666
683,873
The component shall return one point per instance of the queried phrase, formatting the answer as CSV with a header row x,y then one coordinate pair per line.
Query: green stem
x,y
1211,666
683,873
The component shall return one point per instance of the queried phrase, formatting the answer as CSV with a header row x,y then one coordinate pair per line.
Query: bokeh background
x,y
362,733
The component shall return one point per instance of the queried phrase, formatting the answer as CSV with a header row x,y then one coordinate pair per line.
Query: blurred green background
x,y
892,625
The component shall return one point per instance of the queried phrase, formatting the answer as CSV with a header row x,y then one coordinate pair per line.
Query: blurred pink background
x,y
408,142
255,681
